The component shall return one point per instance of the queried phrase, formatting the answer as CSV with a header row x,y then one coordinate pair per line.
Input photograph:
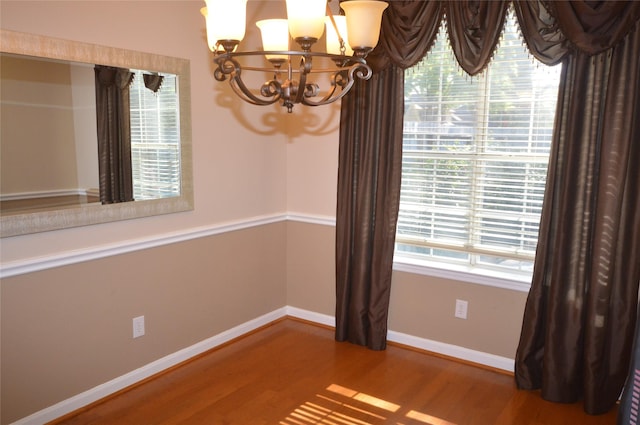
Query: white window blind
x,y
155,138
475,154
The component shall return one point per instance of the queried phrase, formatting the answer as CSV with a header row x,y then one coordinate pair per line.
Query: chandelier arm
x,y
227,67
329,98
230,68
290,91
229,62
359,70
245,94
305,68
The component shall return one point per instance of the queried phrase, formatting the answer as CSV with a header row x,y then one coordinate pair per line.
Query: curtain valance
x,y
595,26
550,29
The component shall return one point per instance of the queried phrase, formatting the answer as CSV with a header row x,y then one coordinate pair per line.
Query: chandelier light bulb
x,y
306,18
212,38
364,18
226,20
275,37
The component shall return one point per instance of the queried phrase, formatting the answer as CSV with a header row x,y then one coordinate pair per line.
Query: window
x,y
155,138
475,154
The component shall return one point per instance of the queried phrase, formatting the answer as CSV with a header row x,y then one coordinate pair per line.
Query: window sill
x,y
514,282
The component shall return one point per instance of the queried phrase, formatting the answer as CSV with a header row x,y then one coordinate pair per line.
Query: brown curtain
x,y
369,173
114,134
580,315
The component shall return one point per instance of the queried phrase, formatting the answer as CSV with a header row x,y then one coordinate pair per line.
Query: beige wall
x,y
420,306
38,139
83,91
423,306
311,267
67,329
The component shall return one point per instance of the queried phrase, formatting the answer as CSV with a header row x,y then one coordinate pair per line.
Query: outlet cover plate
x,y
138,326
461,309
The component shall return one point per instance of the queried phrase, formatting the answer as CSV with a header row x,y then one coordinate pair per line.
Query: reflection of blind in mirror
x,y
155,139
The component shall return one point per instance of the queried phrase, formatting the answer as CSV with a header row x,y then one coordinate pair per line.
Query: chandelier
x,y
295,78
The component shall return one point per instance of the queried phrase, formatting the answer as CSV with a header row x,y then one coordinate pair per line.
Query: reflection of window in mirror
x,y
155,137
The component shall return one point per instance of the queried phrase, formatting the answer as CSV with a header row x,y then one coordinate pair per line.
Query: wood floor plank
x,y
294,373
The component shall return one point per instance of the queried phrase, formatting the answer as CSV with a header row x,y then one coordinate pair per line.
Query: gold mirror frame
x,y
47,47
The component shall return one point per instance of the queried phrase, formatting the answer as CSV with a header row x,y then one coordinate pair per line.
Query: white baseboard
x,y
311,316
455,351
76,402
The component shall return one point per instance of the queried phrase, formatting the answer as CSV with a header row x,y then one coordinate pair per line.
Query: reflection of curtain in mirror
x,y
153,81
114,134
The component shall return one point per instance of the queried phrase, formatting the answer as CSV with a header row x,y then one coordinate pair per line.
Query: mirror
x,y
77,157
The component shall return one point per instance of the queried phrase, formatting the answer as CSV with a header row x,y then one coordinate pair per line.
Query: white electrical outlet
x,y
461,309
138,326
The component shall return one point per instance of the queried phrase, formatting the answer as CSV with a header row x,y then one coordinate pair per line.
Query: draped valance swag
x,y
580,315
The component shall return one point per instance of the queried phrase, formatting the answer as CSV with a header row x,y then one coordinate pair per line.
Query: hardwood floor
x,y
294,373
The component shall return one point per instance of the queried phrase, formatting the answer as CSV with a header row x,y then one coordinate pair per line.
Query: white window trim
x,y
462,273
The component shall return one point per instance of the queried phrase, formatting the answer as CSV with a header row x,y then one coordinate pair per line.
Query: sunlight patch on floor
x,y
345,406
365,398
349,406
427,419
